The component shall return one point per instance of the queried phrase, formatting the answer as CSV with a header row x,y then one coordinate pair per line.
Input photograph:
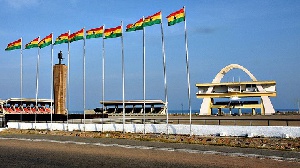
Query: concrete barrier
x,y
201,130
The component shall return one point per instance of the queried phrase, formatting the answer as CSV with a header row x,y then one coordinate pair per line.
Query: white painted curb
x,y
202,130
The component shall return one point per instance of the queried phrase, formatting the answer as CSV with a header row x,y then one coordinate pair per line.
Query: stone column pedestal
x,y
60,88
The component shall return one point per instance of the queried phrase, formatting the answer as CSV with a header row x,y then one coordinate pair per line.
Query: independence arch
x,y
262,91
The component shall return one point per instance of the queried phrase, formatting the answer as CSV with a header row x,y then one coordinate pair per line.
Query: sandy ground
x,y
33,150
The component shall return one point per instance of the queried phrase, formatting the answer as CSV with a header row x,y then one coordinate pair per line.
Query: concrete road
x,y
61,151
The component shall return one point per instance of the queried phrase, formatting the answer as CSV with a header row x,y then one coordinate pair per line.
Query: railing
x,y
240,122
212,121
194,121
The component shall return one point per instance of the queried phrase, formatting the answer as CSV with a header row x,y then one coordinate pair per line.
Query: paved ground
x,y
25,150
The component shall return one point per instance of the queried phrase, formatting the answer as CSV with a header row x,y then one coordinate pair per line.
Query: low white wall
x,y
204,130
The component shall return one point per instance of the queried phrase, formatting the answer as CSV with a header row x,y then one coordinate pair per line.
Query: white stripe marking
x,y
276,158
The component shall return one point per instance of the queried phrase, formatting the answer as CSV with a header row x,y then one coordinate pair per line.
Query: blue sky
x,y
262,36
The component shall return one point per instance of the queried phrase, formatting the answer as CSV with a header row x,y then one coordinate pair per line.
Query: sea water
x,y
214,112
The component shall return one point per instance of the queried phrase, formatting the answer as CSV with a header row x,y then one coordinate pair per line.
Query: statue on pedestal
x,y
60,57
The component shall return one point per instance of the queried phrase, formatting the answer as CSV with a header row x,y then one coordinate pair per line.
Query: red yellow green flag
x,y
130,27
113,32
32,44
14,45
46,41
153,19
63,38
94,33
136,26
176,17
76,36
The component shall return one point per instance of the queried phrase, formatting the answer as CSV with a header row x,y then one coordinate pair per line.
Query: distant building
x,y
26,106
134,107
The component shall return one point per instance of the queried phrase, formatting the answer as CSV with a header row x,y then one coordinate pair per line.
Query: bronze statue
x,y
60,57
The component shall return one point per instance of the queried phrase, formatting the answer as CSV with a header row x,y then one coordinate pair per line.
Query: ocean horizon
x,y
215,111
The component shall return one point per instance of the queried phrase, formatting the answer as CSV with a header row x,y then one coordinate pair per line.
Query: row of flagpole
x,y
103,78
68,83
173,18
37,79
165,76
188,75
51,84
21,75
84,80
144,78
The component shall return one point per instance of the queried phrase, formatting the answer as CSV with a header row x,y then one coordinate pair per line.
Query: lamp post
x,y
298,106
181,108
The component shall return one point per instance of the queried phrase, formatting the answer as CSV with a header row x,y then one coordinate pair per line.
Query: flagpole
x,y
83,79
37,85
123,78
187,71
103,74
68,87
51,84
144,78
21,74
165,76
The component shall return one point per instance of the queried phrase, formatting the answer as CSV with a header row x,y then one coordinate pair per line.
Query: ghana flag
x,y
113,32
136,26
176,17
14,45
153,19
76,36
63,38
32,44
94,33
45,41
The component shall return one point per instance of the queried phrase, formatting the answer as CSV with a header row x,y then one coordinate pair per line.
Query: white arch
x,y
226,69
205,109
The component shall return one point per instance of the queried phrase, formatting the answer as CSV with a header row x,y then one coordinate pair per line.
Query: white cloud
x,y
17,4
